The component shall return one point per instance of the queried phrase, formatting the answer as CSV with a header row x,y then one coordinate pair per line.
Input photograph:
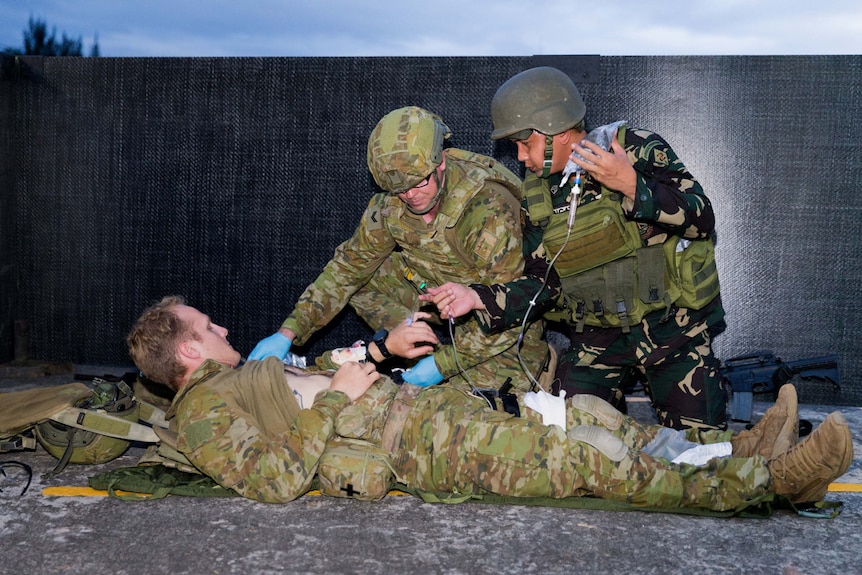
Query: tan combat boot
x,y
776,432
804,473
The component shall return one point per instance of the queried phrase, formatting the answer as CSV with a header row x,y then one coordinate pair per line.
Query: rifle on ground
x,y
762,372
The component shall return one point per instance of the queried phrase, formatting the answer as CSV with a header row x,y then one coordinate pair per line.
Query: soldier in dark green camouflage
x,y
261,430
446,215
629,232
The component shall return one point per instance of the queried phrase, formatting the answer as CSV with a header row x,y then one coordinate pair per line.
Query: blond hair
x,y
154,339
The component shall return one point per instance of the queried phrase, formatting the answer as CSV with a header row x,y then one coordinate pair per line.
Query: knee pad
x,y
606,413
602,439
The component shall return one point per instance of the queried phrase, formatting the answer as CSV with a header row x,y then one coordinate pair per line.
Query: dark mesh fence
x,y
232,180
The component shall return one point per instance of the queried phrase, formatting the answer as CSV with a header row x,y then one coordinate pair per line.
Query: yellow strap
x,y
847,487
73,491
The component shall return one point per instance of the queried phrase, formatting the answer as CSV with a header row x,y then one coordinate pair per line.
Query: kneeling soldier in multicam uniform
x,y
442,215
261,432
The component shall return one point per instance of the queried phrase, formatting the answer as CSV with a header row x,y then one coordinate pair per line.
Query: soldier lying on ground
x,y
262,434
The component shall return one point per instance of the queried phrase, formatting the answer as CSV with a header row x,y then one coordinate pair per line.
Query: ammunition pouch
x,y
694,271
619,293
601,234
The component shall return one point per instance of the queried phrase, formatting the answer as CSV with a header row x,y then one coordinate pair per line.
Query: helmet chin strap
x,y
435,200
549,156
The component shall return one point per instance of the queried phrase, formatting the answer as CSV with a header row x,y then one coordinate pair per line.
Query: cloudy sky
x,y
445,27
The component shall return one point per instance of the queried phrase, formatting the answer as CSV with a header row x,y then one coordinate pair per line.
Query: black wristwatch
x,y
380,340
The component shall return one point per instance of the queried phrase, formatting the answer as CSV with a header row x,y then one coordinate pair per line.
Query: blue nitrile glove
x,y
276,345
424,373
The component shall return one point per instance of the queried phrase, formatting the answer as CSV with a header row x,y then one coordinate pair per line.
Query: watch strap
x,y
380,340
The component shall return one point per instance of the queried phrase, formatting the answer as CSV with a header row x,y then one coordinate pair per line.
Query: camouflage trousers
x,y
455,446
388,298
674,358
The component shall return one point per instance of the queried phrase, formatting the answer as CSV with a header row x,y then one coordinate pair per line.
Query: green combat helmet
x,y
542,99
405,148
75,445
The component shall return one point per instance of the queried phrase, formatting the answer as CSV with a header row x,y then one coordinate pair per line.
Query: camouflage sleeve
x,y
667,194
225,444
507,303
489,230
352,265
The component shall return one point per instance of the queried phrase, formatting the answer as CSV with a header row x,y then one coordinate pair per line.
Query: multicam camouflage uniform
x,y
670,345
474,238
243,428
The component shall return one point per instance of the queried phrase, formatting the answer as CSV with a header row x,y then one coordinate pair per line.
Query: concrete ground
x,y
47,534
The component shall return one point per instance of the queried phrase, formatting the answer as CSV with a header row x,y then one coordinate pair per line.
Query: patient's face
x,y
213,343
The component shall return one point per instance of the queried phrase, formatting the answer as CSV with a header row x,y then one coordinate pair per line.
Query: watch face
x,y
380,336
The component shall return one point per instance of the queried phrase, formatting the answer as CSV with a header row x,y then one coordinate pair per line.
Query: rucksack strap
x,y
105,424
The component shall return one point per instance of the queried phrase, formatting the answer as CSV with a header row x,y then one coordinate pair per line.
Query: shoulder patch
x,y
198,433
374,219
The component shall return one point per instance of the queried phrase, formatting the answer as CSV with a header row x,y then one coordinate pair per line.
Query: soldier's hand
x,y
453,300
611,169
424,373
414,339
278,344
354,379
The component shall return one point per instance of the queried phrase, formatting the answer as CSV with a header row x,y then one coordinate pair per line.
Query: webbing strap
x,y
152,414
71,432
620,284
539,203
17,443
105,424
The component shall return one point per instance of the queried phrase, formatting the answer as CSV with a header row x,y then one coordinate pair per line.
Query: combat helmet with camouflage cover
x,y
405,148
96,429
544,99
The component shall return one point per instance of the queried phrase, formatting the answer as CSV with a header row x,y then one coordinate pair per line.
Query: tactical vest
x,y
439,256
609,278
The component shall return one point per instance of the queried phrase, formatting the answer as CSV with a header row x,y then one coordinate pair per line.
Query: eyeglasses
x,y
424,182
522,135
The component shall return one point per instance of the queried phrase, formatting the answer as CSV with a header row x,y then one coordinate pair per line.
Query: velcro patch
x,y
486,244
198,433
